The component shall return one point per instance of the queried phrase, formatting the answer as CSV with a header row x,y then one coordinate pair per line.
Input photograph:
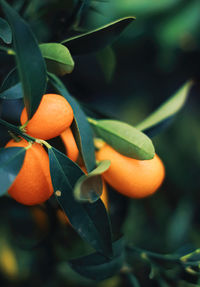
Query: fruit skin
x,y
131,177
52,117
33,183
70,144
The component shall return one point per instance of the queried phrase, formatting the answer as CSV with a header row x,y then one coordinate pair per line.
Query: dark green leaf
x,y
107,61
80,126
126,139
10,80
166,110
89,220
89,187
97,39
5,31
15,92
132,280
11,160
97,267
58,58
11,88
30,63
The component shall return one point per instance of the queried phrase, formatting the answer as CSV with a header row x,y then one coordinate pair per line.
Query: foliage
x,y
35,51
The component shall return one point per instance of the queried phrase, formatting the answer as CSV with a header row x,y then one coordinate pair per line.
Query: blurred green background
x,y
127,80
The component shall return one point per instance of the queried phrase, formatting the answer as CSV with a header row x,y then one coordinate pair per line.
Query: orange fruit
x,y
131,177
70,144
52,117
104,196
33,183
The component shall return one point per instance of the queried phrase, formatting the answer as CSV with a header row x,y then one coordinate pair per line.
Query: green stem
x,y
148,254
22,127
44,143
189,255
8,50
16,130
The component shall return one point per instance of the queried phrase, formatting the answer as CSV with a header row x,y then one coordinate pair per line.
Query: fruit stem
x,y
28,146
43,142
15,137
8,50
23,127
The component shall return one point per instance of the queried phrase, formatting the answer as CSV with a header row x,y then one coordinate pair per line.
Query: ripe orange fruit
x,y
70,144
33,183
52,117
131,177
104,196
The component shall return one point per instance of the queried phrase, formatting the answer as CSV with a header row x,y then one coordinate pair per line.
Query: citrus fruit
x,y
52,117
131,177
33,183
70,144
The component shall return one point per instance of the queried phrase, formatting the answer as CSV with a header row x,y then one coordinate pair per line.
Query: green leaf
x,y
15,92
133,281
166,110
5,31
107,61
30,63
10,80
97,39
80,126
58,58
124,138
11,160
11,88
90,220
89,187
97,267
174,30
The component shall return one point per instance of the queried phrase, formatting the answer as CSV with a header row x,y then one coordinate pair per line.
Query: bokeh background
x,y
128,80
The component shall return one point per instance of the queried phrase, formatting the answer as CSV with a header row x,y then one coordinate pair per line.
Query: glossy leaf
x,y
30,63
167,110
11,160
97,267
10,80
5,31
124,138
89,220
89,187
80,126
58,58
107,61
15,92
11,88
97,39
